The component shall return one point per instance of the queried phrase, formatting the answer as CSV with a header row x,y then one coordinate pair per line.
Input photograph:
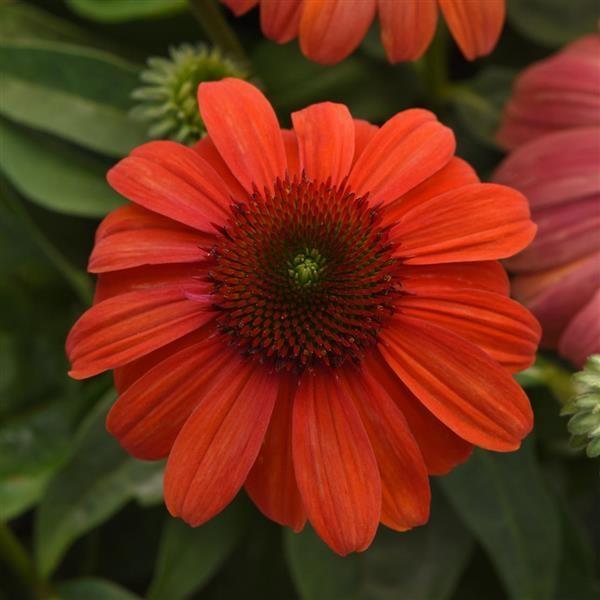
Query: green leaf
x,y
54,174
503,500
80,94
92,588
422,564
318,573
371,90
115,11
34,443
98,480
188,556
293,81
20,492
20,21
38,415
479,102
553,22
576,577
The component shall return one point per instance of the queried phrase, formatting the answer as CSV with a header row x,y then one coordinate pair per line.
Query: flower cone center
x,y
304,275
306,267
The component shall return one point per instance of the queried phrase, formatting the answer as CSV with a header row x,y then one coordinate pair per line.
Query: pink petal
x,y
554,296
548,175
554,94
582,337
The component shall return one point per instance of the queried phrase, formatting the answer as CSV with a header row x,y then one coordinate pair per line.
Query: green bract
x,y
584,425
168,100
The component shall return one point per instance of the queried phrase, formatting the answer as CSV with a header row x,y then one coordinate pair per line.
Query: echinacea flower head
x,y
584,408
317,315
168,99
558,93
330,30
558,276
552,123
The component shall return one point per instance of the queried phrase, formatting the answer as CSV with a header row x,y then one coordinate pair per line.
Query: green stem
x,y
550,374
15,557
79,281
211,19
434,69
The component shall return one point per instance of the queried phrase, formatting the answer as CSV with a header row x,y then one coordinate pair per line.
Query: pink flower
x,y
560,92
552,124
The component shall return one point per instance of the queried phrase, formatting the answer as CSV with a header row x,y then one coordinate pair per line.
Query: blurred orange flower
x,y
316,314
330,30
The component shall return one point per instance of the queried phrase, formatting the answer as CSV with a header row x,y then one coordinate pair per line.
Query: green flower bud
x,y
168,97
584,424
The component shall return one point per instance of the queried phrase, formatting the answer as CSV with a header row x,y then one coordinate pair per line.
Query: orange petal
x,y
486,275
459,383
208,151
476,222
272,483
239,7
407,27
503,328
121,329
406,150
148,416
455,174
126,375
363,132
326,141
404,480
113,283
290,142
132,236
220,441
441,448
279,21
330,30
474,24
335,466
172,180
244,128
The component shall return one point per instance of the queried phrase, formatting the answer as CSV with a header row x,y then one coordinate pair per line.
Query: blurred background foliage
x,y
79,519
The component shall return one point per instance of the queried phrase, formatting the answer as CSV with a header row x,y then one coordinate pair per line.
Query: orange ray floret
x,y
330,30
318,315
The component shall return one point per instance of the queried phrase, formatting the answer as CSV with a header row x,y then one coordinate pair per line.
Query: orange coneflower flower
x,y
330,30
316,314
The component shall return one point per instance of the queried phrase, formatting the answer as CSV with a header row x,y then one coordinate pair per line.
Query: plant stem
x,y
15,557
434,68
552,375
78,280
211,19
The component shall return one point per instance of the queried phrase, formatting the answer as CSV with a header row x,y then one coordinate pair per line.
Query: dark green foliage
x,y
87,519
